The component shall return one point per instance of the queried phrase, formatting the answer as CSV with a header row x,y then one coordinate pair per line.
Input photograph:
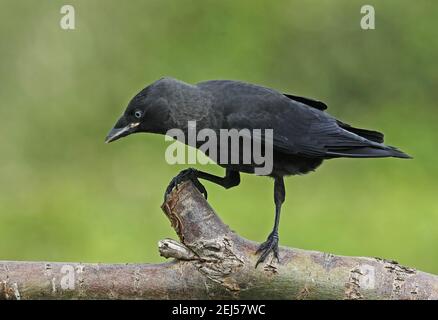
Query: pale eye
x,y
138,114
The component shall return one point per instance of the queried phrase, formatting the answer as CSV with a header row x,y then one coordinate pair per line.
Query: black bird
x,y
304,135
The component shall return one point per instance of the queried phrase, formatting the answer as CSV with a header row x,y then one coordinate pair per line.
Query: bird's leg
x,y
271,244
231,179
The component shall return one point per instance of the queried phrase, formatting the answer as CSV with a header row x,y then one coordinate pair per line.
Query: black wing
x,y
303,132
297,128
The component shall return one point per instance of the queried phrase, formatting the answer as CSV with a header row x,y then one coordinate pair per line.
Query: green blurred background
x,y
67,196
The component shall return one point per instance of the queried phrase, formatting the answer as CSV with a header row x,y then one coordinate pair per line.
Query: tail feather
x,y
372,147
369,152
396,153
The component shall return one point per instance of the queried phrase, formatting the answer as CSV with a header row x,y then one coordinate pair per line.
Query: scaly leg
x,y
271,244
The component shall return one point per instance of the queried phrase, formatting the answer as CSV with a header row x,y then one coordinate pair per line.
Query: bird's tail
x,y
396,153
371,147
370,152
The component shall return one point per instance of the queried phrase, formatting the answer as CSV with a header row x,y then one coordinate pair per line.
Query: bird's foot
x,y
185,175
271,244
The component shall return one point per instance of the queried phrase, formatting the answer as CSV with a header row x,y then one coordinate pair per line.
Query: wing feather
x,y
298,128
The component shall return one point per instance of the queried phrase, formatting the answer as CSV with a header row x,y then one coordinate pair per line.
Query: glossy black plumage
x,y
304,135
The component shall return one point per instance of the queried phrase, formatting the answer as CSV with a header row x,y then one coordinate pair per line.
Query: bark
x,y
213,262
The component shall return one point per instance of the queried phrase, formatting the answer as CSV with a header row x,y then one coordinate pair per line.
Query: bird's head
x,y
148,111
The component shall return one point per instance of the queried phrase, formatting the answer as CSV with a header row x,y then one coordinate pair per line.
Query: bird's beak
x,y
117,133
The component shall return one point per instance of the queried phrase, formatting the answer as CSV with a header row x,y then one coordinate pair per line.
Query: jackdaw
x,y
304,135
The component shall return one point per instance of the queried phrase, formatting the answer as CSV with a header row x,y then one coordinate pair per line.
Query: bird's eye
x,y
137,114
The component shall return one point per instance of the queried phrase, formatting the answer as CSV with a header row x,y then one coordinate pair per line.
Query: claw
x,y
187,174
271,244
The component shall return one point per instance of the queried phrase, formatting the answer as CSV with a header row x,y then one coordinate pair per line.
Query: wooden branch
x,y
213,262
